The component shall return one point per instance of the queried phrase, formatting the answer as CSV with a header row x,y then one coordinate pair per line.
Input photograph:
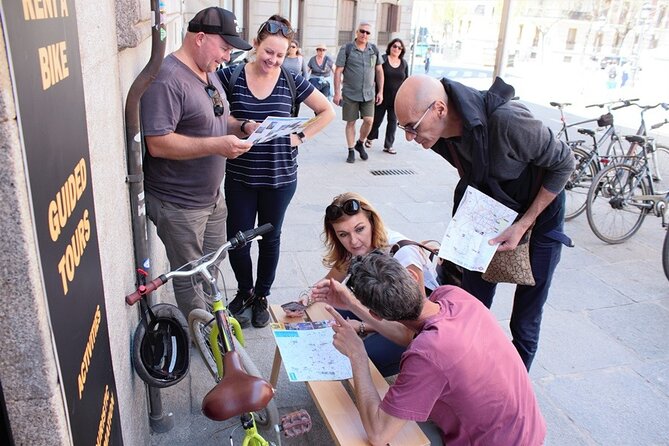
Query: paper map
x,y
478,219
273,127
308,354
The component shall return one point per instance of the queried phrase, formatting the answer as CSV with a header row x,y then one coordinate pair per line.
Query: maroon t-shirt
x,y
464,374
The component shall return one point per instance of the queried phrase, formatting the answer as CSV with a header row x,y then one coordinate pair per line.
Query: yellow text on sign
x,y
44,9
53,63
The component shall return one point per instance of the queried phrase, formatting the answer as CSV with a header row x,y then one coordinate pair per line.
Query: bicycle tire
x,y
660,168
576,190
200,323
614,215
665,254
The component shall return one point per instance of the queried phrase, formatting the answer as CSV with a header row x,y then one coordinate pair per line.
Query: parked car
x,y
612,60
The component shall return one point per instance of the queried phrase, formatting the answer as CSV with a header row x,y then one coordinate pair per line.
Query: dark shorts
x,y
354,110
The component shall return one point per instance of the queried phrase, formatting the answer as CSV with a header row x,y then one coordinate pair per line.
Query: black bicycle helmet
x,y
160,351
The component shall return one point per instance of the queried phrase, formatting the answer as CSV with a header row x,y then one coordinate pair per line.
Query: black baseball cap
x,y
215,20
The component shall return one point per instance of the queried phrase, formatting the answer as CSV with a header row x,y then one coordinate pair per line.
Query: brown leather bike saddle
x,y
237,393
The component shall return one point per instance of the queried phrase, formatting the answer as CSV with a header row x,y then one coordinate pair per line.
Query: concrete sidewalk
x,y
602,370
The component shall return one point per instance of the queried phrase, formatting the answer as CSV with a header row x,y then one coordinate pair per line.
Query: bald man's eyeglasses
x,y
413,128
216,99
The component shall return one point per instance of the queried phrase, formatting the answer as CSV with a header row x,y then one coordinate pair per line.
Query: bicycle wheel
x,y
613,208
665,254
200,323
576,189
660,168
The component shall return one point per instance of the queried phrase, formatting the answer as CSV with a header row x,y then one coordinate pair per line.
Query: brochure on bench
x,y
478,219
273,127
307,352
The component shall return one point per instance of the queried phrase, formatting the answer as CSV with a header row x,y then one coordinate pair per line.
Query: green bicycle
x,y
240,389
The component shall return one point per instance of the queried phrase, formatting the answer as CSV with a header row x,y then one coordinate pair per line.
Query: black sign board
x,y
44,49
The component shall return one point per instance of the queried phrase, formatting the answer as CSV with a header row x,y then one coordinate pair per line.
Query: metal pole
x,y
500,56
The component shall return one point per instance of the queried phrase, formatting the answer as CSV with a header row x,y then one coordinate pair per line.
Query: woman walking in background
x,y
395,71
261,182
320,70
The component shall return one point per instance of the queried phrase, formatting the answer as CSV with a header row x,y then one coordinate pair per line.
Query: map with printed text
x,y
478,219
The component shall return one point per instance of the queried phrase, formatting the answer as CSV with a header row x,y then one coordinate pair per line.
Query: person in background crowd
x,y
320,70
395,70
260,184
189,135
360,65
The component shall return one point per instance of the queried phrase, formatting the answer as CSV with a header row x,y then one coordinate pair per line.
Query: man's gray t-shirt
x,y
359,72
177,102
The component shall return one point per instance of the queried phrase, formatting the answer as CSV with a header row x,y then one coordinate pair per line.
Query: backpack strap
x,y
293,90
233,79
402,243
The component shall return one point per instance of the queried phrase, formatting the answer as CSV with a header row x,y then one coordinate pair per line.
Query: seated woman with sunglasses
x,y
262,182
353,227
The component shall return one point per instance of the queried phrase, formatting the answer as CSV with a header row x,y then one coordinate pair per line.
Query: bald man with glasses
x,y
361,88
501,149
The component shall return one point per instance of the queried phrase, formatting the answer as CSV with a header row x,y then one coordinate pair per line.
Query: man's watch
x,y
301,136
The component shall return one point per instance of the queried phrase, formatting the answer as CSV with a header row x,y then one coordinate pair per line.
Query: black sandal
x,y
390,150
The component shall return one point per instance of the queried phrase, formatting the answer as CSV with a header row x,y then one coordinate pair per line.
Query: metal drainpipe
x,y
158,421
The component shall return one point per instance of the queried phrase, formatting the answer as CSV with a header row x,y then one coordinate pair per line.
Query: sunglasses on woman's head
x,y
215,96
273,27
335,211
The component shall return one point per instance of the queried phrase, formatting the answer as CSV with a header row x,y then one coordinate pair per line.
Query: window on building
x,y
571,39
388,22
520,34
346,21
537,37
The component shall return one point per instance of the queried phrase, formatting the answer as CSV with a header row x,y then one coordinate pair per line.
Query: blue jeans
x,y
383,352
269,205
528,302
321,85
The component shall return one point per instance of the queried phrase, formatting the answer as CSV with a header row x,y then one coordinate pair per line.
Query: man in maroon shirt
x,y
459,371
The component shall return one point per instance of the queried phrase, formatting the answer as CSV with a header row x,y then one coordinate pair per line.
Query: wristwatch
x,y
301,136
241,127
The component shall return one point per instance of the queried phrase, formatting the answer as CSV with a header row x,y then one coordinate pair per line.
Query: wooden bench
x,y
334,403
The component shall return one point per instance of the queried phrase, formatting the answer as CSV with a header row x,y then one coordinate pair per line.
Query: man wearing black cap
x,y
189,134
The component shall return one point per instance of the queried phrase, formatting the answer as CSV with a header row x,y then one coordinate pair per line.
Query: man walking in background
x,y
361,88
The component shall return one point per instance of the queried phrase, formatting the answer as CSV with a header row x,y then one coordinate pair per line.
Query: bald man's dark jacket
x,y
504,151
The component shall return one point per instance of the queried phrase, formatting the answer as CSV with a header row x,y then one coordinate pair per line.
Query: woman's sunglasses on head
x,y
335,211
273,27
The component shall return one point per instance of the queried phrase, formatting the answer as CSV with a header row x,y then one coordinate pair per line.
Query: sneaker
x,y
351,156
243,299
244,321
361,150
260,314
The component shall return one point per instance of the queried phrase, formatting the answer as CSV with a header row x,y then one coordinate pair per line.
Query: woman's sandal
x,y
390,150
368,143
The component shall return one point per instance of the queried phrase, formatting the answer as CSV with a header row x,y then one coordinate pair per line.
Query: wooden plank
x,y
339,412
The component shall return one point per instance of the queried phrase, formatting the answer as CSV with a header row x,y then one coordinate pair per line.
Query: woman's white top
x,y
414,255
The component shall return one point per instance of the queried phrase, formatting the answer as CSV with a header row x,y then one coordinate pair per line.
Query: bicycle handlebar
x,y
238,240
626,102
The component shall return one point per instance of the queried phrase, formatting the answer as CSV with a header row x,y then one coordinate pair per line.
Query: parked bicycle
x,y
623,194
589,160
241,390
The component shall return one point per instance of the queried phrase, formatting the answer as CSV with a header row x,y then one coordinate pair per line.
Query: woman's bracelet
x,y
361,329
